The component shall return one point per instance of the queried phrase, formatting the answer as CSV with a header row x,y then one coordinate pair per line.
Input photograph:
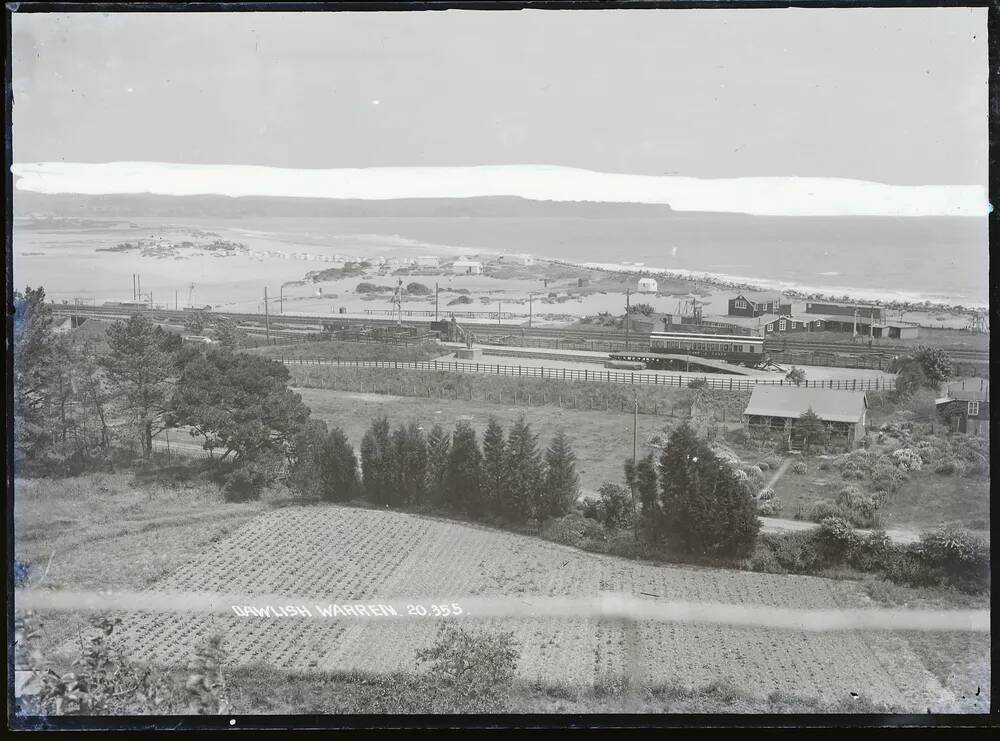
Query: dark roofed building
x,y
778,409
966,406
757,304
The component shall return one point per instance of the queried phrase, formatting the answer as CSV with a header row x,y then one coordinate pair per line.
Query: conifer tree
x,y
438,447
410,451
493,467
338,468
523,474
562,484
462,485
377,464
705,510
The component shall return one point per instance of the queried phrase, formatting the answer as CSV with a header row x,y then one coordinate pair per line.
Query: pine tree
x,y
34,370
462,486
523,474
651,521
338,468
140,369
704,508
410,451
377,464
562,484
493,467
438,446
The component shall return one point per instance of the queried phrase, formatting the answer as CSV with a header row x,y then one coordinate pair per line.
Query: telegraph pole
x,y
139,289
175,299
635,464
530,296
281,299
437,291
498,313
627,307
133,287
267,321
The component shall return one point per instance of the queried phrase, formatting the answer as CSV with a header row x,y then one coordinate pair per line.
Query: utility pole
x,y
530,296
627,307
498,313
267,321
437,291
635,465
281,299
175,299
139,289
133,287
854,331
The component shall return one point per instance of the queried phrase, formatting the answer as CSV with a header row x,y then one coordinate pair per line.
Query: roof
x,y
463,261
790,401
970,395
750,322
759,296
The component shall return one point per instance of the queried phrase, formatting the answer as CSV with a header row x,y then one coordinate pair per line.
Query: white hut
x,y
467,267
647,285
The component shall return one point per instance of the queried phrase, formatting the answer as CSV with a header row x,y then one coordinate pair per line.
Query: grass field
x,y
600,440
330,553
336,350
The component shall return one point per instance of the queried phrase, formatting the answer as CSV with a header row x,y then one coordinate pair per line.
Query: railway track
x,y
283,323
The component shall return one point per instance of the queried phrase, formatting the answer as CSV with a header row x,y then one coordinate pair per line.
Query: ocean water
x,y
939,259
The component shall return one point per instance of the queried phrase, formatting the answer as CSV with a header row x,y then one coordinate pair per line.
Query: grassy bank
x,y
338,350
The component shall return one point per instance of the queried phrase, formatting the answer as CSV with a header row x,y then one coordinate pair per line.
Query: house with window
x,y
777,410
648,285
758,304
966,406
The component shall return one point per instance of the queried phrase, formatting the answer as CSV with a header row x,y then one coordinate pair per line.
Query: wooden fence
x,y
729,383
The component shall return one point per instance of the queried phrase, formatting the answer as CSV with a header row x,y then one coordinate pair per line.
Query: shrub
x,y
800,468
861,508
764,466
765,494
755,475
573,529
697,383
870,553
824,466
245,483
834,539
823,508
615,511
769,507
887,477
773,462
907,459
474,669
951,466
956,556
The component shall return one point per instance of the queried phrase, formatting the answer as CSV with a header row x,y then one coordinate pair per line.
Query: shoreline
x,y
800,293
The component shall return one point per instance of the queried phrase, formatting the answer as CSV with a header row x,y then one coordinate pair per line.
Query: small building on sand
x,y
467,267
648,285
778,410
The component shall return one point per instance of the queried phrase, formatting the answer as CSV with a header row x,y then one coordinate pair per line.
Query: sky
x,y
896,96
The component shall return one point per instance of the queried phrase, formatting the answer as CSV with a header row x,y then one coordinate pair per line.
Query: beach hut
x,y
647,285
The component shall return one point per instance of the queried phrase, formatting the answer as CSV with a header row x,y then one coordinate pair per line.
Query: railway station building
x,y
775,411
758,304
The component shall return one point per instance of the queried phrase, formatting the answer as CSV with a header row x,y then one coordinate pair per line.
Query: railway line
x,y
285,325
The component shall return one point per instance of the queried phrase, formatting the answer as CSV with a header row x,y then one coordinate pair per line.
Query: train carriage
x,y
734,349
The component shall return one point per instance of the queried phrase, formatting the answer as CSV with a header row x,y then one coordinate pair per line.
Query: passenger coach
x,y
735,349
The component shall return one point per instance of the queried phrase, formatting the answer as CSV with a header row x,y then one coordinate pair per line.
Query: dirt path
x,y
779,525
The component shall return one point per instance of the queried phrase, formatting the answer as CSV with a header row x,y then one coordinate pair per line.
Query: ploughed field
x,y
331,554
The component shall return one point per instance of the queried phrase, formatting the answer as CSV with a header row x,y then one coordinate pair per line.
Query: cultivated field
x,y
336,554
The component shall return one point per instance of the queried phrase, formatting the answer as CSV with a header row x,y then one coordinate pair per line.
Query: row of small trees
x,y
507,477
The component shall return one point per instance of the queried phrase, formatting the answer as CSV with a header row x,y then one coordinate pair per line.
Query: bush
x,y
956,556
951,466
697,383
764,466
800,468
755,475
870,553
822,509
769,507
907,459
417,289
773,462
573,529
834,538
861,508
473,668
245,483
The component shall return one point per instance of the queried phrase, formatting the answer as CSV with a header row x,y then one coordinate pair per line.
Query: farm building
x,y
648,285
777,409
467,267
966,406
758,304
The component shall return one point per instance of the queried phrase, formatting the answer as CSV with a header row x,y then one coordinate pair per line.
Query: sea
x,y
942,260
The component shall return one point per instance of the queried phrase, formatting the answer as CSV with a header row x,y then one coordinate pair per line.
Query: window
x,y
781,325
973,408
741,304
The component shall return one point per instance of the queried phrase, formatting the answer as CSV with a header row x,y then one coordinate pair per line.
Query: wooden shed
x,y
778,409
